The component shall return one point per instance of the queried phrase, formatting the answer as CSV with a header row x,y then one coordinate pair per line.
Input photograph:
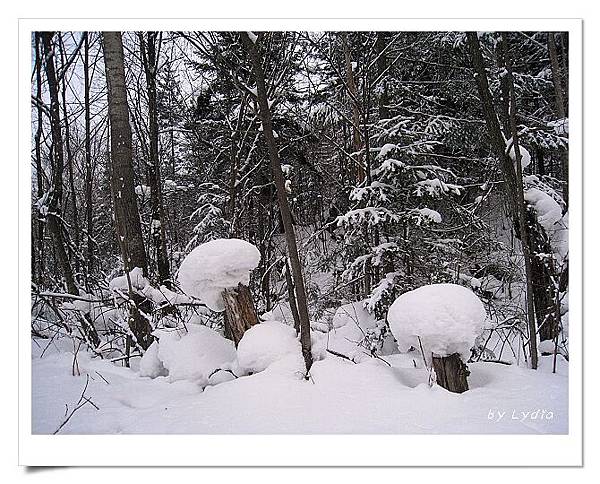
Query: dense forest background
x,y
406,159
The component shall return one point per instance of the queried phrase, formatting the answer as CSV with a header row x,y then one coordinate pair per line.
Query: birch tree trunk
x,y
127,219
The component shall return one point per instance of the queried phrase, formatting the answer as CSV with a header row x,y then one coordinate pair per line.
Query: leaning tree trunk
x,y
451,373
284,208
240,313
513,177
127,218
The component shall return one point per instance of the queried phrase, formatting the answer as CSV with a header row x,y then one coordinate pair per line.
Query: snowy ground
x,y
340,397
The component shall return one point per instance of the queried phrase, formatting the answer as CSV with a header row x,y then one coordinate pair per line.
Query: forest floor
x,y
339,397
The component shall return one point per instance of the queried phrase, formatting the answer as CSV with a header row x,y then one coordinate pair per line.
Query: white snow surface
x,y
194,355
340,398
269,343
217,265
150,364
445,317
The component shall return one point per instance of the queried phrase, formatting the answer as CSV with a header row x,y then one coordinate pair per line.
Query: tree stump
x,y
240,313
451,372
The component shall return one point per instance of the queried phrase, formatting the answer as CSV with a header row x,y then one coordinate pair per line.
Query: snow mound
x,y
446,317
546,347
547,209
195,355
136,276
429,215
525,156
150,364
217,265
550,217
270,344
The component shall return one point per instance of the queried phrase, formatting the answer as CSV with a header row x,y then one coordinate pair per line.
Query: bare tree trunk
x,y
150,62
286,215
354,102
560,107
88,158
292,296
75,217
513,178
40,256
54,219
127,218
382,66
240,313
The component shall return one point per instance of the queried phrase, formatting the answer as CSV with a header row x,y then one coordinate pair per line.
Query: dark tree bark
x,y
292,297
382,67
240,313
127,218
286,215
357,144
150,63
88,159
40,256
560,108
69,153
54,218
451,373
513,176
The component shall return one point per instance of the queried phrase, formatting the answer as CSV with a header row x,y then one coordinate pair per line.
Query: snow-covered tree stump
x,y
240,313
218,273
443,321
451,372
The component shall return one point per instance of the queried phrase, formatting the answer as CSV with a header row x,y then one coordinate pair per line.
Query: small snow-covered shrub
x,y
447,318
356,333
268,343
194,355
215,266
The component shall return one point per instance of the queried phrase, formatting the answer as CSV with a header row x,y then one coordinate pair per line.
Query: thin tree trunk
x,y
54,218
354,103
69,153
560,108
286,215
512,177
88,158
38,163
150,62
292,296
127,218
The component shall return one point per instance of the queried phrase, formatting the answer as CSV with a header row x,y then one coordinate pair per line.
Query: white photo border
x,y
306,450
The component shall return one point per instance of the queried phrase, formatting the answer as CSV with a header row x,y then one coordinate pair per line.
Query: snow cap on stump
x,y
445,317
215,266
